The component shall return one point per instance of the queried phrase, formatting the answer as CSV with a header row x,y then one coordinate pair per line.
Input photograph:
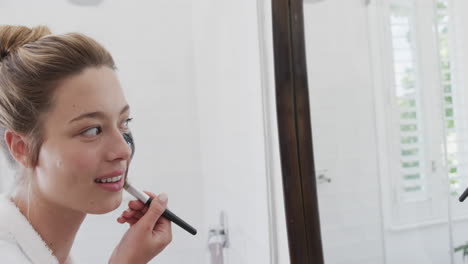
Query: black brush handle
x,y
463,196
175,219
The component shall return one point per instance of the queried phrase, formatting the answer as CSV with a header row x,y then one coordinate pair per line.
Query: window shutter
x,y
455,127
407,92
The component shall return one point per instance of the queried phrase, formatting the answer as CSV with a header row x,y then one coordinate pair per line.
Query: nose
x,y
118,147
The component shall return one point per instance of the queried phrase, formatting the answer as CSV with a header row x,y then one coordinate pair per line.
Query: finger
x,y
136,211
144,210
157,207
129,213
163,223
121,220
136,205
132,221
138,215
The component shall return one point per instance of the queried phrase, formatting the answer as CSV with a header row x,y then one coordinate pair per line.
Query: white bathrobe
x,y
19,242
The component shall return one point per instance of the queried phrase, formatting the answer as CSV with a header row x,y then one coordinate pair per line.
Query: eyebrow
x,y
97,115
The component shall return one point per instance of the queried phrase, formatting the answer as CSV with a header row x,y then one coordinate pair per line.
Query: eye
x,y
91,132
126,122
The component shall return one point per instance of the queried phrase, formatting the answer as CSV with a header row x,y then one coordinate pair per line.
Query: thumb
x,y
156,209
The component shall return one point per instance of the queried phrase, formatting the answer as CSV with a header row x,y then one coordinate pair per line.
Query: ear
x,y
17,144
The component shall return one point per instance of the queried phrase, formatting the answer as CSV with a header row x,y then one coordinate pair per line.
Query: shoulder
x,y
8,212
18,239
11,251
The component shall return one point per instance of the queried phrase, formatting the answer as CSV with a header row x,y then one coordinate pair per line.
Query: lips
x,y
111,186
111,174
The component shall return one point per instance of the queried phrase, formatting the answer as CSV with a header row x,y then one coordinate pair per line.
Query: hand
x,y
148,235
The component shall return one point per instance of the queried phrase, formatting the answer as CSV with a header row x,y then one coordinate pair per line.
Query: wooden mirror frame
x,y
295,137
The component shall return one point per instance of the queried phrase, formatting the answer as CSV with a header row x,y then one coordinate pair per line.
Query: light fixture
x,y
86,2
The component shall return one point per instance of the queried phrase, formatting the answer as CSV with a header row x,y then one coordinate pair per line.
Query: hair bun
x,y
13,37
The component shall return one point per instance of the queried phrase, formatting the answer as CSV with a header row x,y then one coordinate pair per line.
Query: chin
x,y
109,205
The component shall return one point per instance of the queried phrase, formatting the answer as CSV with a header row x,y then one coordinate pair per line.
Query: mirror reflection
x,y
389,120
193,76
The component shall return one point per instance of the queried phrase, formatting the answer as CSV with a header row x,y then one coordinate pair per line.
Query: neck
x,y
56,224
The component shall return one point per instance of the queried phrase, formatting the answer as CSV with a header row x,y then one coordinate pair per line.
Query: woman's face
x,y
83,142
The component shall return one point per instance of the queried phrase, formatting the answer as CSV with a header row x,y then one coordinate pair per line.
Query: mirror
x,y
198,82
389,122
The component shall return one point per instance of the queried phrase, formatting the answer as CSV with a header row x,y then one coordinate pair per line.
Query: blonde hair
x,y
33,61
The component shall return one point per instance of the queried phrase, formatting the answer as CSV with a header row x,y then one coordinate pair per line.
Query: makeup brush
x,y
463,196
146,199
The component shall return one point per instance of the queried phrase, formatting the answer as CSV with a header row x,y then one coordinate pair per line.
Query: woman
x,y
62,116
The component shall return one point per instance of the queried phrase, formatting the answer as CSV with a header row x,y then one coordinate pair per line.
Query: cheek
x,y
80,165
82,161
70,165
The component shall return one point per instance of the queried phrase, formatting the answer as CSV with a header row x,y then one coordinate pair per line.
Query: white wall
x,y
191,74
229,92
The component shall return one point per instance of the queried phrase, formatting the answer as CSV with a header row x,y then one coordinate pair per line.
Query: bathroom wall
x,y
227,63
192,76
